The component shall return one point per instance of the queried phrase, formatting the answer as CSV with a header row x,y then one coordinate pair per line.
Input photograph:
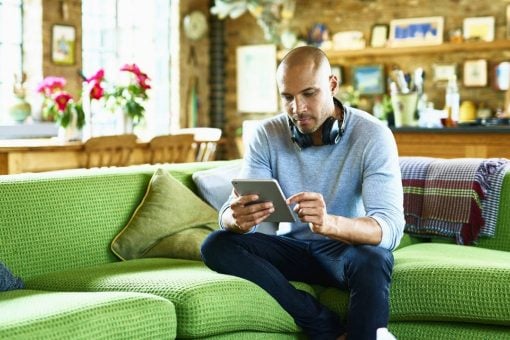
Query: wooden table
x,y
46,154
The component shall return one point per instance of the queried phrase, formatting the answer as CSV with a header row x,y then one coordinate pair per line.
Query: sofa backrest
x,y
64,219
502,239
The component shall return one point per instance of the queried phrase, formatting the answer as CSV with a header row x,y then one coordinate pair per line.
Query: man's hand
x,y
311,208
245,214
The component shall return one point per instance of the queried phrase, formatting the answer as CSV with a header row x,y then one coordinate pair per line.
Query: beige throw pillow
x,y
171,221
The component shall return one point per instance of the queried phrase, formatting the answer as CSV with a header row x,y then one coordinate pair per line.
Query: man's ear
x,y
333,84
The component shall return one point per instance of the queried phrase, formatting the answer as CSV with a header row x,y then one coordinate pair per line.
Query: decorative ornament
x,y
195,25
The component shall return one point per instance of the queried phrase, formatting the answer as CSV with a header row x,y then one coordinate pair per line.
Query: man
x,y
339,167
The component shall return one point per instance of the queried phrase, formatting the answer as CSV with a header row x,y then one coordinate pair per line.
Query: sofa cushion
x,y
30,314
214,185
7,280
169,215
448,282
207,303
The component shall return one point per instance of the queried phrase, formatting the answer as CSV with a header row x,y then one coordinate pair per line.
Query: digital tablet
x,y
269,191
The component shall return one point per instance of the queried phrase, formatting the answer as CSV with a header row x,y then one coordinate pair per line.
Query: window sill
x,y
28,130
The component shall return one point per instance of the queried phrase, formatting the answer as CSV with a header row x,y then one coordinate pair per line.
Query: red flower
x,y
61,99
96,91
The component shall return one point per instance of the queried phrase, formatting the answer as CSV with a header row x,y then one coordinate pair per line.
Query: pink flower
x,y
141,77
142,81
51,85
133,68
61,99
98,77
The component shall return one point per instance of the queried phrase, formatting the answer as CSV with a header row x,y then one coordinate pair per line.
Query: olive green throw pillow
x,y
171,221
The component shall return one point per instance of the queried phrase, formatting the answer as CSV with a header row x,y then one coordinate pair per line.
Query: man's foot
x,y
384,334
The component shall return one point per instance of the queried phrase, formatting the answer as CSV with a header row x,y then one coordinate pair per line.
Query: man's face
x,y
306,95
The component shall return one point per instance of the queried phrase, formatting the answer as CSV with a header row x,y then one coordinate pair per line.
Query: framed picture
x,y
379,35
336,70
508,21
416,31
502,76
256,90
63,44
475,73
479,28
443,72
368,79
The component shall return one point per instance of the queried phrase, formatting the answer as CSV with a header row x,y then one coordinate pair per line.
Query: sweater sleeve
x,y
382,187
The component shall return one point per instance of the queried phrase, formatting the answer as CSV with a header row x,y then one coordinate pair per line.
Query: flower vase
x,y
70,132
124,122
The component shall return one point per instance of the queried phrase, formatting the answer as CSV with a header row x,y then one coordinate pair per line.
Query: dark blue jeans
x,y
272,261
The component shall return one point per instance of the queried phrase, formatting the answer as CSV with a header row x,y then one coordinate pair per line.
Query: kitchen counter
x,y
464,141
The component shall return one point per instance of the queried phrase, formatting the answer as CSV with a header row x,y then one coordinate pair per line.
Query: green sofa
x,y
55,234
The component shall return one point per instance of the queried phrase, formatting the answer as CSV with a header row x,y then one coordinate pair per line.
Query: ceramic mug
x,y
404,108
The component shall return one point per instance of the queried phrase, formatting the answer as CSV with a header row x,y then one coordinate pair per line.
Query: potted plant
x,y
60,106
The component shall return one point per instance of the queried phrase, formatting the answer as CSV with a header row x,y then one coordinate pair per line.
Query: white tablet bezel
x,y
269,191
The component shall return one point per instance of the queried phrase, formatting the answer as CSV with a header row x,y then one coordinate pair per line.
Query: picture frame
x,y
508,21
443,72
379,35
475,73
256,91
63,44
479,28
368,79
501,76
416,31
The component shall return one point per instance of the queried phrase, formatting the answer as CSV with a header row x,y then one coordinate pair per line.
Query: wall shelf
x,y
396,51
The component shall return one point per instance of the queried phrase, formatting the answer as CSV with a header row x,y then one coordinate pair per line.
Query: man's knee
x,y
213,245
371,259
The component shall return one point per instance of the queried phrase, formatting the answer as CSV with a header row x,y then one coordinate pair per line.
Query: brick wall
x,y
360,15
63,13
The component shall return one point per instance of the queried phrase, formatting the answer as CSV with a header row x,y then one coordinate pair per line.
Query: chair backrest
x,y
109,150
172,148
206,140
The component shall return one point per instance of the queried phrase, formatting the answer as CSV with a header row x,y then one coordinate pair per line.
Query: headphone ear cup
x,y
301,139
331,133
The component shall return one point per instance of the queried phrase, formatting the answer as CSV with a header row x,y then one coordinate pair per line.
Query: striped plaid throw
x,y
452,198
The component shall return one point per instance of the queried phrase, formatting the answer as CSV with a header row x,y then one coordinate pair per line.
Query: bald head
x,y
307,57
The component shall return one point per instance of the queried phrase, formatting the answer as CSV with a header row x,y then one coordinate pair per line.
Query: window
x,y
11,47
132,31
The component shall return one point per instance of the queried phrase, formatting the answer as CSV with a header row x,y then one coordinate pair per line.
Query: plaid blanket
x,y
454,198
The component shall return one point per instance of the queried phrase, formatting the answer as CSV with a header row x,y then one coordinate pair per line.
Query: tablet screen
x,y
269,191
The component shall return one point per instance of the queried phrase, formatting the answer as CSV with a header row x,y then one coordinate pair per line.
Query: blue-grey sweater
x,y
359,176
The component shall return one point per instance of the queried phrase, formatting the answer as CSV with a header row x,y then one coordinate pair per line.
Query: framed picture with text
x,y
416,31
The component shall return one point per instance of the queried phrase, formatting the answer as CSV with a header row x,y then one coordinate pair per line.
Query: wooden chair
x,y
172,149
206,140
105,151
